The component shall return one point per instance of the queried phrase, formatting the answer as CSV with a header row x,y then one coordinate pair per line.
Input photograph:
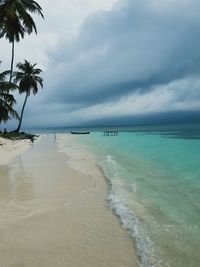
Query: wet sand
x,y
52,215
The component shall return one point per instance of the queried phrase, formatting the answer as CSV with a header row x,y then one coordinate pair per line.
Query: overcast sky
x,y
103,58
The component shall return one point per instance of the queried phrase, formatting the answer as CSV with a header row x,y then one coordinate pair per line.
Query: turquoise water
x,y
154,177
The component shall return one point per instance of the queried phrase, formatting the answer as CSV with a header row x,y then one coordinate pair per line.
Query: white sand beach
x,y
53,215
9,149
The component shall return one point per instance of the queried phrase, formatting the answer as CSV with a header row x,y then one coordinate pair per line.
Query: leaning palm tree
x,y
15,21
28,80
7,100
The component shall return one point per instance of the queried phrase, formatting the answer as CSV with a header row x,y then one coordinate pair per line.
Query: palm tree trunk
x,y
12,60
22,112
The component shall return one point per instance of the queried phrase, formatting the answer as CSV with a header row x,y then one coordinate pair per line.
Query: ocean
x,y
153,175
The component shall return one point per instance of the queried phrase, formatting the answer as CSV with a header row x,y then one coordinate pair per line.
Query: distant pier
x,y
110,133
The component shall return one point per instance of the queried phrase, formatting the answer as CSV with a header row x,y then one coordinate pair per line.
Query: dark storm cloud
x,y
136,46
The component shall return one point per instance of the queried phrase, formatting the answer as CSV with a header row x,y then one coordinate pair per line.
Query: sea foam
x,y
82,159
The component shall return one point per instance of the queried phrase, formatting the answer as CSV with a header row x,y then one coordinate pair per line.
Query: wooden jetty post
x,y
110,133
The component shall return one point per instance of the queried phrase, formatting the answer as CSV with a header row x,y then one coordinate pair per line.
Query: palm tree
x,y
6,100
28,82
15,21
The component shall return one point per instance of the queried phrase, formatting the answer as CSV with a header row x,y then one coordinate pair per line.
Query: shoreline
x,y
58,215
83,158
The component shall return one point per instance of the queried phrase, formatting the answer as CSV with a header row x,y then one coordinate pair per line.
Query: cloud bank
x,y
128,58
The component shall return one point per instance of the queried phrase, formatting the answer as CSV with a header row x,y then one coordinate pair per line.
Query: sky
x,y
111,58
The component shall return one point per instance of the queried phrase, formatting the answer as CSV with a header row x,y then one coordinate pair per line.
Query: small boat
x,y
80,132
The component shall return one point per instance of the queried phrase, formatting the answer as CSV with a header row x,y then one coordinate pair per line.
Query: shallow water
x,y
155,188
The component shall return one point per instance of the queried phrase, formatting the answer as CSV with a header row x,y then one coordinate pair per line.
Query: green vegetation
x,y
15,22
18,136
6,99
28,82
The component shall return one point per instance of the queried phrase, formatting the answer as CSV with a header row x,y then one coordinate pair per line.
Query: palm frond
x,y
7,112
27,77
15,18
7,86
